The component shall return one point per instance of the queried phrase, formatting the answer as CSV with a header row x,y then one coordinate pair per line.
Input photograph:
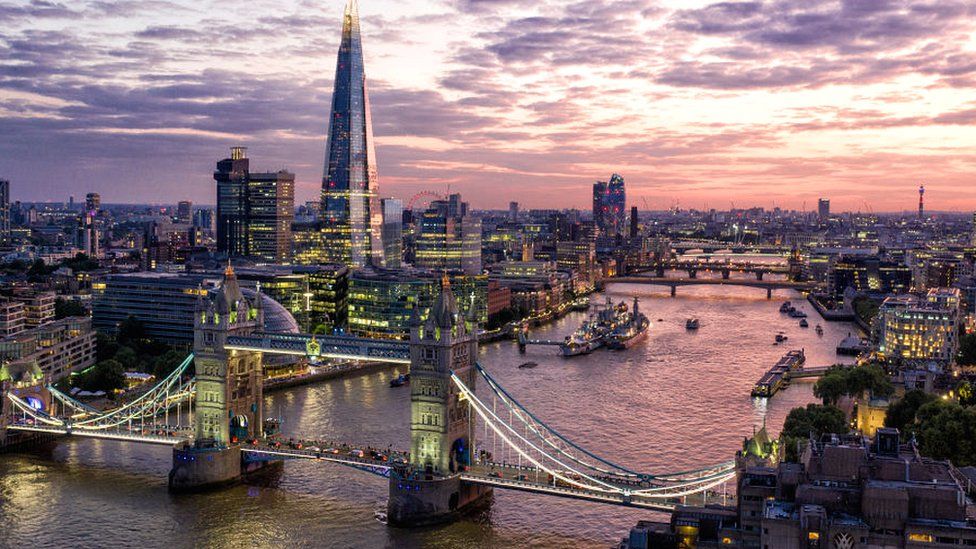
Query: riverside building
x,y
923,330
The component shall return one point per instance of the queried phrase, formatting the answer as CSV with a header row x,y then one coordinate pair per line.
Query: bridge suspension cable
x,y
573,470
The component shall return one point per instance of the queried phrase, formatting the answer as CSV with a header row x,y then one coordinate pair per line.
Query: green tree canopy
x,y
842,381
104,376
946,430
967,349
901,414
814,420
131,332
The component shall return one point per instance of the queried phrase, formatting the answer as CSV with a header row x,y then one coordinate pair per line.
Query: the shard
x,y
351,216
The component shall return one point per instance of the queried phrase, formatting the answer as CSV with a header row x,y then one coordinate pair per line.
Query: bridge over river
x,y
209,410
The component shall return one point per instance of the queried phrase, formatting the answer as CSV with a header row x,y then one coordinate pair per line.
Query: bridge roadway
x,y
168,437
382,462
342,347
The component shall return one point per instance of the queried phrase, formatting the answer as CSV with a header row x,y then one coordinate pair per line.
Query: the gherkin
x,y
351,217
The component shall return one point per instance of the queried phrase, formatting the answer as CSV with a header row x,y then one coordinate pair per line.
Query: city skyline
x,y
753,103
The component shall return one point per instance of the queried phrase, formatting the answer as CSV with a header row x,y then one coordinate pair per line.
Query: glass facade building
x,y
381,301
447,239
254,210
392,232
610,206
351,219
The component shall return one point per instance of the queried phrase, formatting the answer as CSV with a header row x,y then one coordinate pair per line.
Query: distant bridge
x,y
673,283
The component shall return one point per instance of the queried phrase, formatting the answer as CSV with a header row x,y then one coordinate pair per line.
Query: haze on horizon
x,y
695,103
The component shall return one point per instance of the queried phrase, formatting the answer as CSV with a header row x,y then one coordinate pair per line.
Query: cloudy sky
x,y
694,103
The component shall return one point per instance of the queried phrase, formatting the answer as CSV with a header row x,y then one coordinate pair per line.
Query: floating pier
x,y
773,379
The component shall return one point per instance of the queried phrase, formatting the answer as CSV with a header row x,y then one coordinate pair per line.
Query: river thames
x,y
677,400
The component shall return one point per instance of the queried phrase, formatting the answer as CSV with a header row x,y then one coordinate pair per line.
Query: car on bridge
x,y
356,453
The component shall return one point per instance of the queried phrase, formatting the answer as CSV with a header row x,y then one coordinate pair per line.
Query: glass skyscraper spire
x,y
351,216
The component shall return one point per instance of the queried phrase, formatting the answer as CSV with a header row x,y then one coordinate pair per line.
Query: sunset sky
x,y
695,103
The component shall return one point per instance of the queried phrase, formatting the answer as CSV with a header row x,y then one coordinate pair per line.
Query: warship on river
x,y
614,326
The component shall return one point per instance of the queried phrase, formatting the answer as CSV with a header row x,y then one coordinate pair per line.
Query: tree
x,y
967,394
132,332
105,347
105,376
846,381
64,308
129,358
967,349
946,430
164,364
831,386
901,414
814,420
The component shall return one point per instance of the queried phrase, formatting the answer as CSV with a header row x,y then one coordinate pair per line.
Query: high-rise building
x,y
513,208
921,202
4,209
254,210
447,239
231,178
93,203
972,231
392,232
823,209
270,211
633,222
609,205
599,195
184,211
351,217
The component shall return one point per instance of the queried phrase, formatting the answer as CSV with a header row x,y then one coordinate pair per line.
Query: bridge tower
x,y
25,380
229,389
441,426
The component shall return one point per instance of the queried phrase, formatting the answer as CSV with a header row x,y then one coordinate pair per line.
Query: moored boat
x,y
626,335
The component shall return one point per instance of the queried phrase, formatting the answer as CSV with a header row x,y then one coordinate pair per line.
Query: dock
x,y
853,346
774,378
524,341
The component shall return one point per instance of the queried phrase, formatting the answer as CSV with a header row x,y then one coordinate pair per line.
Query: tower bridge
x,y
463,443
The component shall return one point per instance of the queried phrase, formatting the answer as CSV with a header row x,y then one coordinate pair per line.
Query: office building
x,y
392,233
4,209
184,212
609,206
633,222
823,209
513,211
328,287
920,330
381,301
57,348
270,211
578,257
231,177
165,304
447,239
254,210
205,219
351,217
869,274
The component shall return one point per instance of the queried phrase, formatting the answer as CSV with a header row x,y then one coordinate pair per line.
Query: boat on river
x,y
633,330
595,330
692,324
